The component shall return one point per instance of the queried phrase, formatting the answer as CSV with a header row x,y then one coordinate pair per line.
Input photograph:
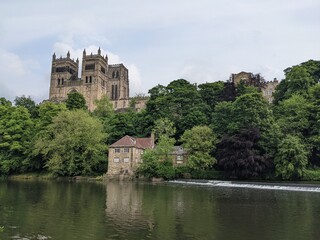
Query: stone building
x,y
125,155
266,87
97,79
179,156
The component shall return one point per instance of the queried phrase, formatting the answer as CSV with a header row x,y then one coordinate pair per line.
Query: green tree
x,y
293,115
16,132
76,100
158,162
314,129
297,81
199,142
28,103
163,126
104,108
73,144
291,158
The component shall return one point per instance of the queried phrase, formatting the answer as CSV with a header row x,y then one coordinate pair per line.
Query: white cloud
x,y
18,76
134,80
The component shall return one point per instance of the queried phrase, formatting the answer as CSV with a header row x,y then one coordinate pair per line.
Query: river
x,y
176,210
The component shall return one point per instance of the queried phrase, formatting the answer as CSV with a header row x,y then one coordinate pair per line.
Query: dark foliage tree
x,y
76,100
241,156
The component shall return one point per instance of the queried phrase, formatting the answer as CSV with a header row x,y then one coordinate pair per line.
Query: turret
x,y
99,51
68,55
54,56
84,52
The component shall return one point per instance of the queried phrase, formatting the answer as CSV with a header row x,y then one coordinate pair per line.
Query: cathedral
x,y
97,79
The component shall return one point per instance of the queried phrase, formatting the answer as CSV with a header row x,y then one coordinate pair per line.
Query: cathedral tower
x,y
63,71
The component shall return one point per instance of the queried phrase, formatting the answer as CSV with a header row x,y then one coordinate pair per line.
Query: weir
x,y
252,185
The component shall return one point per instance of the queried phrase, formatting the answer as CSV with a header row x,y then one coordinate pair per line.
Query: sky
x,y
158,41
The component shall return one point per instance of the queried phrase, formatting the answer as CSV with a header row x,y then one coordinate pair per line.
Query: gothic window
x,y
117,74
90,79
58,81
86,79
112,92
113,74
116,91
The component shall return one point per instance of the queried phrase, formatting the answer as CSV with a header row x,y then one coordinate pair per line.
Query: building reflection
x,y
124,207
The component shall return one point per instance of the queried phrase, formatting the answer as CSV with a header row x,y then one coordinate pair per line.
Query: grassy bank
x,y
49,176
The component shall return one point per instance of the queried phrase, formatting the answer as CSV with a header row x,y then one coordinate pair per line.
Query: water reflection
x,y
126,210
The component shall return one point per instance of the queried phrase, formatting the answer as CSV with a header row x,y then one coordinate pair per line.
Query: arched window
x,y
62,81
117,75
90,79
86,79
113,74
58,81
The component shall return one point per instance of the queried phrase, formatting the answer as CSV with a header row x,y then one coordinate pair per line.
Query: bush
x,y
311,175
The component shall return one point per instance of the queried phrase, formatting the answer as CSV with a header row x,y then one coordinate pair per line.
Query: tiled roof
x,y
128,141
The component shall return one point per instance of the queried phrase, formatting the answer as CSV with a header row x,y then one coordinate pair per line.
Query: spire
x,y
68,54
77,61
99,51
84,52
106,57
54,56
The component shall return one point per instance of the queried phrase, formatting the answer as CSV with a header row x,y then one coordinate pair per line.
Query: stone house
x,y
125,155
179,156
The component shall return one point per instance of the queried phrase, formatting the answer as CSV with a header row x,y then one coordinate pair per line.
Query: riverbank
x,y
48,176
310,175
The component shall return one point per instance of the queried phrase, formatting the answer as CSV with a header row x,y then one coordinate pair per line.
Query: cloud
x,y
134,80
18,77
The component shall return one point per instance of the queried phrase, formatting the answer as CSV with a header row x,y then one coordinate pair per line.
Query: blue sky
x,y
159,41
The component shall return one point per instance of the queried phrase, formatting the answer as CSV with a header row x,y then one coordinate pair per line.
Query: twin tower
x,y
98,79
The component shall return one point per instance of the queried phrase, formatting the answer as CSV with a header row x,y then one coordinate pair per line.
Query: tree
x,y
163,126
157,162
241,155
291,158
47,111
104,108
293,115
16,132
76,100
314,134
73,144
297,81
199,142
246,112
28,103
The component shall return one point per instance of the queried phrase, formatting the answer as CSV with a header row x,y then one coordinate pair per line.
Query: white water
x,y
266,186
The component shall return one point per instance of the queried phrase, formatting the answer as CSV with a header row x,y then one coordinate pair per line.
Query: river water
x,y
177,210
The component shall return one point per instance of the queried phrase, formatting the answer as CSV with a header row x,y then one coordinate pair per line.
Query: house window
x,y
179,159
116,160
117,150
126,160
126,150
